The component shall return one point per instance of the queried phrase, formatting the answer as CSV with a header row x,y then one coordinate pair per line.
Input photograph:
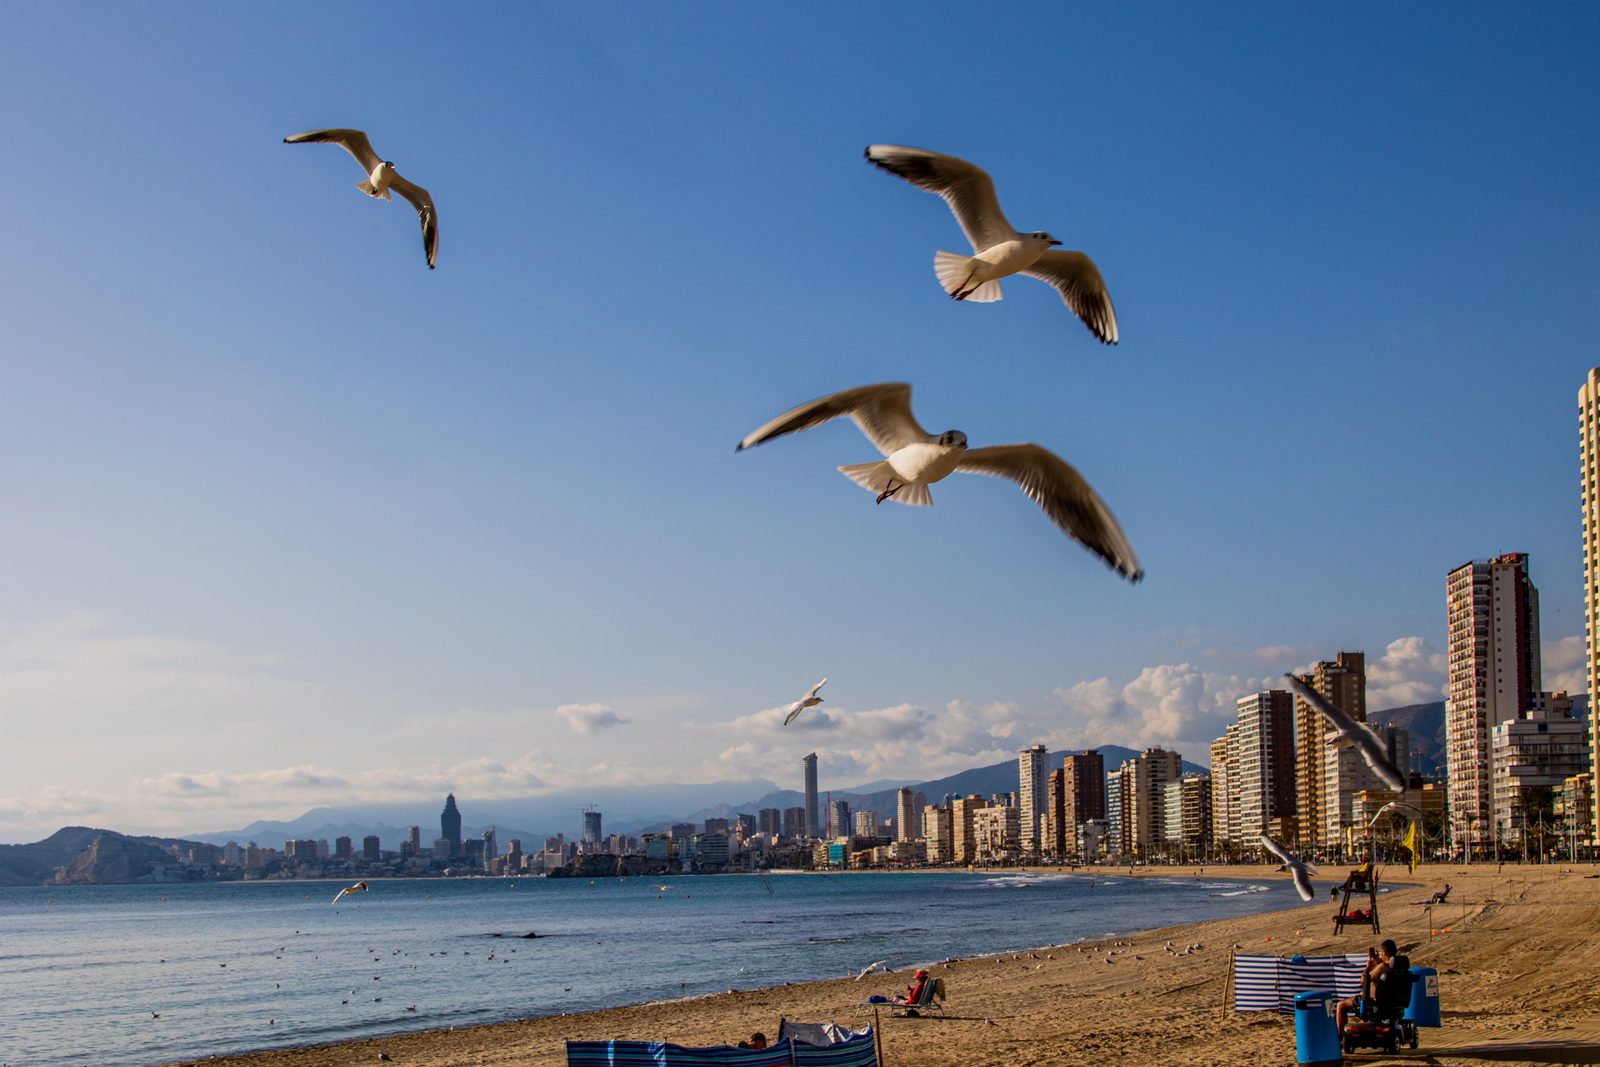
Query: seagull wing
x,y
966,187
425,214
882,411
794,712
1064,495
340,894
1078,280
353,141
1276,849
813,691
1302,881
1343,725
1376,754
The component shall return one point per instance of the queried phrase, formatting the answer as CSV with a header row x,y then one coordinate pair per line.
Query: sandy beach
x,y
1517,949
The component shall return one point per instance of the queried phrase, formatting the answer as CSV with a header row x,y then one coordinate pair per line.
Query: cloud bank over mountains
x,y
76,665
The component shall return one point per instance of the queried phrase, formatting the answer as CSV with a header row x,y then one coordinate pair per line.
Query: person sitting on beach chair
x,y
1441,896
914,990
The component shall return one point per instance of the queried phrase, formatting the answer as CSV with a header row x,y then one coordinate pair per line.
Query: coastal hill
x,y
81,855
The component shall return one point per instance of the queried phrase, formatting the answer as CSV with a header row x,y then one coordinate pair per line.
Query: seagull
x,y
1000,250
359,887
381,178
810,700
1302,871
1347,732
869,968
915,459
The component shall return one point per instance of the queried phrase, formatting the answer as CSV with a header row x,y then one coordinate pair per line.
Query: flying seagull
x,y
1302,871
1347,732
359,887
810,700
869,968
915,459
1000,249
382,177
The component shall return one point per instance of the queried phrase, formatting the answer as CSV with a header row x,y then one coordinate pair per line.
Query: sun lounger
x,y
930,999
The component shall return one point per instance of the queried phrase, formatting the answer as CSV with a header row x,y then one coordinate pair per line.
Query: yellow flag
x,y
1410,842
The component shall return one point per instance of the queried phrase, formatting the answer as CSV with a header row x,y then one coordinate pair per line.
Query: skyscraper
x,y
491,846
1085,787
1342,681
1493,612
838,818
1223,825
813,823
907,816
1033,769
1589,500
450,824
592,834
1263,764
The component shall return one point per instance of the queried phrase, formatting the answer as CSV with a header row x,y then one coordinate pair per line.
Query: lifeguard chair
x,y
1361,885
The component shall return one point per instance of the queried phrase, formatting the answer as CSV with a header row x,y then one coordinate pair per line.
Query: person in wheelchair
x,y
1385,996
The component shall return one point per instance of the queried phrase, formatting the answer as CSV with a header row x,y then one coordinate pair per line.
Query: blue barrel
x,y
1424,1009
1316,1035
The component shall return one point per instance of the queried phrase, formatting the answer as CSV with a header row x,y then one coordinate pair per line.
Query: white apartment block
x,y
1033,771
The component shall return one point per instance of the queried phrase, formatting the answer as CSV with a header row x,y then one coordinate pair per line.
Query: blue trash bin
x,y
1424,1009
1316,1035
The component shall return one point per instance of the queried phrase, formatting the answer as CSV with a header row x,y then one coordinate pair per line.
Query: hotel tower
x,y
1589,468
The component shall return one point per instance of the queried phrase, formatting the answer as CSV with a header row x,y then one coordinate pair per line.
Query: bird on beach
x,y
810,700
1302,871
359,887
381,178
914,459
1347,732
869,968
999,249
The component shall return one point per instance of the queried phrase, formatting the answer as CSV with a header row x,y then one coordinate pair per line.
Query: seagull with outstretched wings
x,y
381,178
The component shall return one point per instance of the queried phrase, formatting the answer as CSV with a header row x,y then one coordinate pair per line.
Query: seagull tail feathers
x,y
955,273
366,187
879,477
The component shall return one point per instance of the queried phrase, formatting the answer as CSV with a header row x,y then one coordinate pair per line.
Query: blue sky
x,y
292,519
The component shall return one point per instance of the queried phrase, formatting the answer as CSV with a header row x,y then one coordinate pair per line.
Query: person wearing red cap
x,y
914,990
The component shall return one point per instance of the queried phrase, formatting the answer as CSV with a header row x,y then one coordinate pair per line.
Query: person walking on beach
x,y
1380,962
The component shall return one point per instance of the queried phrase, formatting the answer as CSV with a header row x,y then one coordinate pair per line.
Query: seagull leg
x,y
891,491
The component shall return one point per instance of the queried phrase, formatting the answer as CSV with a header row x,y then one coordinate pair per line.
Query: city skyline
x,y
485,532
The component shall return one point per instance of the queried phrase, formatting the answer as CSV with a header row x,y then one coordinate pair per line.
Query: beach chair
x,y
1441,896
931,999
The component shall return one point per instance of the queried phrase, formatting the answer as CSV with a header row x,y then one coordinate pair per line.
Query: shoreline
x,y
1497,945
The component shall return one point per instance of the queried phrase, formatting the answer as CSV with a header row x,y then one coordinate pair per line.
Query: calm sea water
x,y
242,966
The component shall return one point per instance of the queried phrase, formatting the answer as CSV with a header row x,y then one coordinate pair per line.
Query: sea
x,y
138,975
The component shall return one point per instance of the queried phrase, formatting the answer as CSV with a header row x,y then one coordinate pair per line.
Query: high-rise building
x,y
770,821
794,823
1223,826
1495,677
838,818
1033,769
343,849
1342,681
1532,758
743,826
370,849
1263,779
866,824
813,826
1116,813
1143,807
592,833
514,855
907,821
1589,500
716,825
1085,798
1056,833
413,841
491,846
963,843
450,825
996,833
938,831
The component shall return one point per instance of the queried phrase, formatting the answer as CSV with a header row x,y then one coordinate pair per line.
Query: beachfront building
x,y
794,823
1033,770
449,828
1116,825
1492,609
996,830
813,826
1574,810
1143,802
866,824
1531,757
908,811
371,849
838,818
963,842
1589,502
1342,681
1263,758
1224,832
769,821
938,831
1054,831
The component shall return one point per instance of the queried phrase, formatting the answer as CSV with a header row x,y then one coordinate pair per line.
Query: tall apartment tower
x,y
592,834
1589,498
1086,787
1263,782
450,824
813,823
1224,828
1143,805
907,815
1033,771
1342,681
1495,674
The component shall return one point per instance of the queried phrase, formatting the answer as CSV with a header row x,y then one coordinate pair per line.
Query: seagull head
x,y
1040,235
390,165
953,439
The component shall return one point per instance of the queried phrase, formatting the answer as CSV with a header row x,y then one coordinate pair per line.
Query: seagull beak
x,y
1054,242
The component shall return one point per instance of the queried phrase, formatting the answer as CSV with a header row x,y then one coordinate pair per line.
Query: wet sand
x,y
1517,950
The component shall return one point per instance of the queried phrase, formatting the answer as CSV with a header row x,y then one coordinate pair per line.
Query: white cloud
x,y
590,718
1410,671
1275,653
1566,665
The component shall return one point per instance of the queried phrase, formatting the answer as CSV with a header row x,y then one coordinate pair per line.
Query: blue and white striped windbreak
x,y
856,1052
1270,983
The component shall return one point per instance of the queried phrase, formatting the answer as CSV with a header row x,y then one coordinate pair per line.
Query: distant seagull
x,y
1000,249
1302,871
359,887
1347,732
915,459
869,968
381,177
810,700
